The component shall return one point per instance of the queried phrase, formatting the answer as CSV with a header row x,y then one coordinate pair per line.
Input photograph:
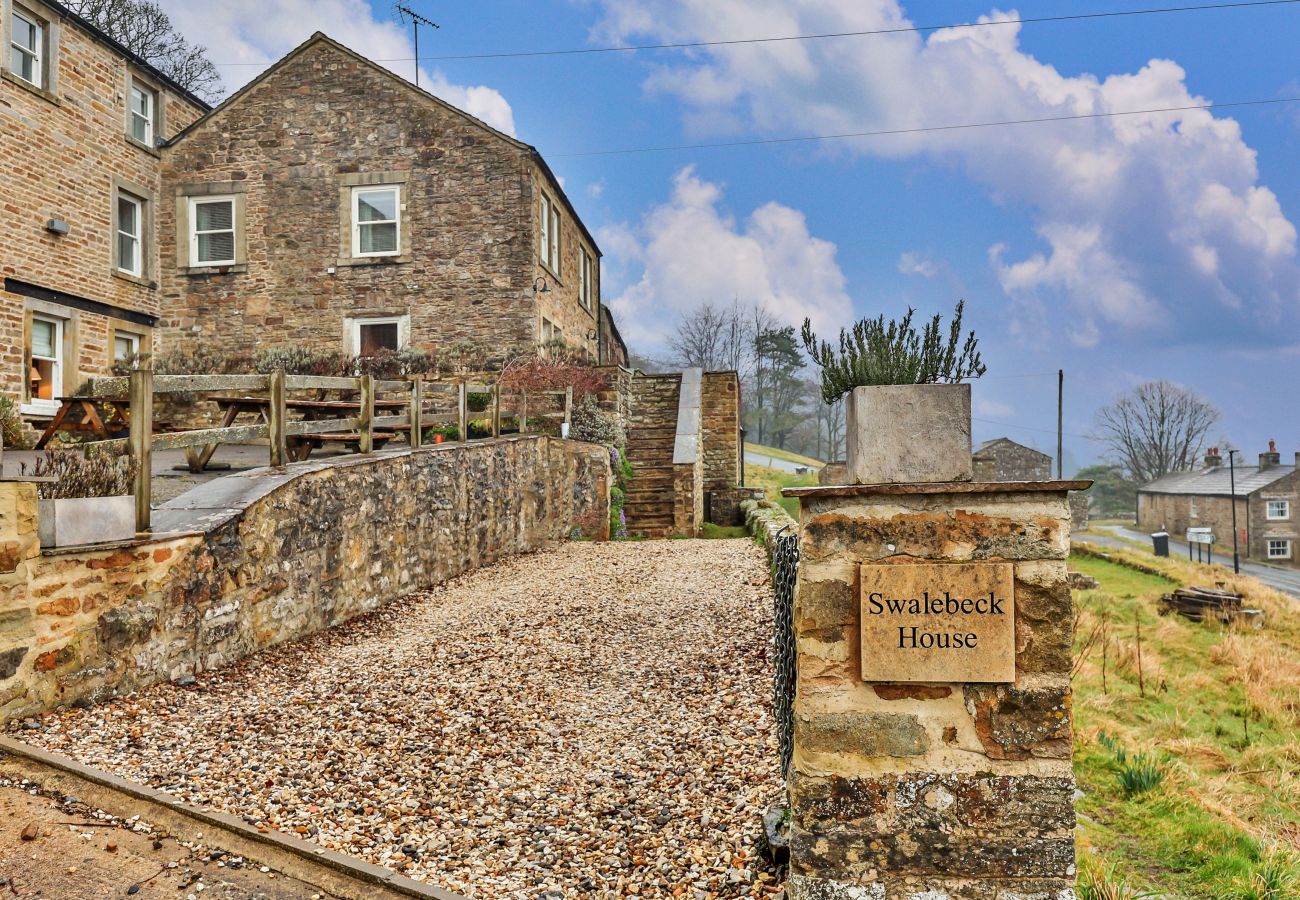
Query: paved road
x,y
773,462
1285,580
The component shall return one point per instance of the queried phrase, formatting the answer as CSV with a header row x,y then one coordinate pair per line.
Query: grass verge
x,y
772,480
787,455
1187,749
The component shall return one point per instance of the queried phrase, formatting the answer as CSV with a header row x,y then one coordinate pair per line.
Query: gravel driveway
x,y
593,721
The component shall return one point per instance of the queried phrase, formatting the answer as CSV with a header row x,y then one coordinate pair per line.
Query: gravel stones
x,y
590,721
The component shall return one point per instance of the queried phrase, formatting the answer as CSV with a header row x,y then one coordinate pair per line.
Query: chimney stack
x,y
1271,458
1213,459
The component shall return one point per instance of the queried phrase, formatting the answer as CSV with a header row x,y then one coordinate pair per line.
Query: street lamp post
x,y
1232,498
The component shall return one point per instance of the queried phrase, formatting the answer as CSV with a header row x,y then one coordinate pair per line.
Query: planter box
x,y
86,520
908,434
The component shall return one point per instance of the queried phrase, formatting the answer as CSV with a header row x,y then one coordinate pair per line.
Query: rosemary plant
x,y
874,352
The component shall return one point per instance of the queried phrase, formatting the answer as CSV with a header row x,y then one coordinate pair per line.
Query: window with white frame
x,y
27,48
212,231
585,273
555,240
544,227
376,221
1278,509
126,347
45,378
130,234
144,104
1279,549
373,336
1191,508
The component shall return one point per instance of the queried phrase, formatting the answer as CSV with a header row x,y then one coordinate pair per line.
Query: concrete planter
x,y
908,433
79,521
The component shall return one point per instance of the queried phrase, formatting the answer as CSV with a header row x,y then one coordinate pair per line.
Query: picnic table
x,y
100,418
300,445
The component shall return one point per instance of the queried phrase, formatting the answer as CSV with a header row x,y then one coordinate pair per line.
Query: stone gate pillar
x,y
932,744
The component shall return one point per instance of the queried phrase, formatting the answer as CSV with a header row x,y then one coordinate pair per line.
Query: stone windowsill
x,y
135,279
938,487
141,145
234,269
28,86
351,261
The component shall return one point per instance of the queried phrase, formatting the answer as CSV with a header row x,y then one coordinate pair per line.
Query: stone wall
x,y
1079,510
720,421
725,506
66,151
319,544
943,791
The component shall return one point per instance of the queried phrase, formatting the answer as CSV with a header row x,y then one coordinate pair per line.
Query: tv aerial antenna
x,y
406,13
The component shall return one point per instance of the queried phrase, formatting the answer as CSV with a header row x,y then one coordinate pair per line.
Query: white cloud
x,y
597,188
1144,222
689,251
987,406
913,263
255,33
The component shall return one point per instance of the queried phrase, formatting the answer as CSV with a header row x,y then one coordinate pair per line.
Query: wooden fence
x,y
361,428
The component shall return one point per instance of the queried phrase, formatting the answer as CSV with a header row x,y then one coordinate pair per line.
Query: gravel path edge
x,y
333,872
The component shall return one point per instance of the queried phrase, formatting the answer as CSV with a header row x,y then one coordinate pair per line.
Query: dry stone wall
x,y
335,542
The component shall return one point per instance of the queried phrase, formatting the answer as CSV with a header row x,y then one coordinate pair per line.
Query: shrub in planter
x,y
11,425
589,422
91,500
908,412
446,432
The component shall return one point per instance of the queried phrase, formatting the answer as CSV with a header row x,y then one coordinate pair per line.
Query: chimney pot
x,y
1271,458
1214,460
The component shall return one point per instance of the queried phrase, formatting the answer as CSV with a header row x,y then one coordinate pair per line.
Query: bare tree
x,y
145,29
1155,429
699,338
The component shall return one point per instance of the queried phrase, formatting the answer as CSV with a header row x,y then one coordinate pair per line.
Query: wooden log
x,y
366,418
141,438
277,416
322,426
496,409
320,382
201,437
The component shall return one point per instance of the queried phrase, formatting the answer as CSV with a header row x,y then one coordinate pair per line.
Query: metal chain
x,y
785,566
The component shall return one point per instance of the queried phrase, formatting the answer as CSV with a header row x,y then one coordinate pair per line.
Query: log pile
x,y
1200,604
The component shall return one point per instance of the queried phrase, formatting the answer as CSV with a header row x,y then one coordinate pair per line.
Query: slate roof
x,y
1216,481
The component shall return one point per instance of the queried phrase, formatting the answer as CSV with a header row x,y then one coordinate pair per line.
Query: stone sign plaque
x,y
938,622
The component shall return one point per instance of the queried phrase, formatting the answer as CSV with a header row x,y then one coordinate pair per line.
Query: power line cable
x,y
689,45
890,132
1086,437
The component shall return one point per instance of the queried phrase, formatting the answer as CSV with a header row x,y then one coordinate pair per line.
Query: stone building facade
x,y
1002,459
332,205
81,124
1265,497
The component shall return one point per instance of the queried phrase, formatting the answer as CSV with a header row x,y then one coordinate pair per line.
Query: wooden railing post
x,y
496,409
277,418
568,408
366,418
462,409
141,442
523,413
416,438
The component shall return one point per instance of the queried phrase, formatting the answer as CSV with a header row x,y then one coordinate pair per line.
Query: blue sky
x,y
1155,247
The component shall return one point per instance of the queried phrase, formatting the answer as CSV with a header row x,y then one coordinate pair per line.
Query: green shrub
x,y
875,353
589,422
1141,775
478,401
11,424
449,432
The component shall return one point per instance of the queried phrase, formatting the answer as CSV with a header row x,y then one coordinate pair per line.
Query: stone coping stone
x,y
686,441
336,873
937,487
213,503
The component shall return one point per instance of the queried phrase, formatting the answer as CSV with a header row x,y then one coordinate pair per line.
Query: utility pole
x,y
405,12
1060,419
1232,490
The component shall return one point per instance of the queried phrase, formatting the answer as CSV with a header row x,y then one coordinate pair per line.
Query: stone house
x,y
331,204
1002,459
82,121
1265,497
